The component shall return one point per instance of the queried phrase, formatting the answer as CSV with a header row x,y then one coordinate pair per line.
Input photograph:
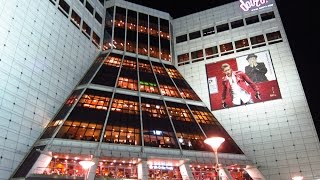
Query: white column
x,y
92,171
143,170
186,172
254,173
224,174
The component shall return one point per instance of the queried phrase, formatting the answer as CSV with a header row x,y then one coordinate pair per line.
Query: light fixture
x,y
297,178
86,164
215,143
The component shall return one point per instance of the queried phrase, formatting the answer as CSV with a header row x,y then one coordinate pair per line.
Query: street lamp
x,y
297,178
215,142
86,165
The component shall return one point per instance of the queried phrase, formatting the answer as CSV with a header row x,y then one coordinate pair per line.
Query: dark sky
x,y
299,20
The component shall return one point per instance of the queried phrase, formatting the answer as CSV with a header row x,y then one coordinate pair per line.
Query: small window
x,y
274,37
211,51
96,39
257,41
102,2
222,27
242,45
225,48
98,17
267,16
86,29
194,35
89,7
53,1
197,54
252,19
183,57
65,7
237,23
181,38
208,31
75,18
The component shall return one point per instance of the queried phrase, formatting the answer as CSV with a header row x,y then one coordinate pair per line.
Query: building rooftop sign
x,y
254,5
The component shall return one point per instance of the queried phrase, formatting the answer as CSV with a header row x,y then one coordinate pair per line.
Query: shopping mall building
x,y
94,89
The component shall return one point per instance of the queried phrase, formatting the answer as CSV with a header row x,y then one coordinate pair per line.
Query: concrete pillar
x,y
254,173
143,170
92,171
40,166
186,172
224,174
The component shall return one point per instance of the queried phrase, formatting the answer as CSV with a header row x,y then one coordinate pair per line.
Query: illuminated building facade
x,y
131,112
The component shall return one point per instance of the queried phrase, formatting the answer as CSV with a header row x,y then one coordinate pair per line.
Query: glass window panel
x,y
65,6
197,54
226,47
165,53
98,17
181,38
183,57
119,28
242,43
267,16
75,19
95,39
107,44
222,27
89,7
257,40
211,51
108,73
131,31
194,35
273,36
157,129
167,87
188,132
208,31
86,29
237,23
252,20
154,36
212,127
123,126
143,34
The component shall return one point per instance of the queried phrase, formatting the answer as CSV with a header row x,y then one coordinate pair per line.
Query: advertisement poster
x,y
243,80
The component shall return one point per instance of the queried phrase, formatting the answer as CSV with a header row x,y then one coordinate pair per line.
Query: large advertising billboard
x,y
243,80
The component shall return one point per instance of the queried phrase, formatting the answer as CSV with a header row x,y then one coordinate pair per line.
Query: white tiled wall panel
x,y
278,136
42,57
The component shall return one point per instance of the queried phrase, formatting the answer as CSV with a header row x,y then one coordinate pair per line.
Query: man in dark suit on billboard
x,y
256,70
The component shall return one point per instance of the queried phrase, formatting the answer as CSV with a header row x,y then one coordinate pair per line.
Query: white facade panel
x,y
42,58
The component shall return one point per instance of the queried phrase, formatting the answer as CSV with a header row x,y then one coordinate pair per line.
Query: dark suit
x,y
257,73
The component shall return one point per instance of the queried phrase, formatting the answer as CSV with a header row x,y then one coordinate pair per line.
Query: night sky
x,y
299,20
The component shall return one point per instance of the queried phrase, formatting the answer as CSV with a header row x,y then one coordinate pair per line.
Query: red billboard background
x,y
269,90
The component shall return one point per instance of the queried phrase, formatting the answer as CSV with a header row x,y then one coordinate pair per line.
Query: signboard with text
x,y
254,5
